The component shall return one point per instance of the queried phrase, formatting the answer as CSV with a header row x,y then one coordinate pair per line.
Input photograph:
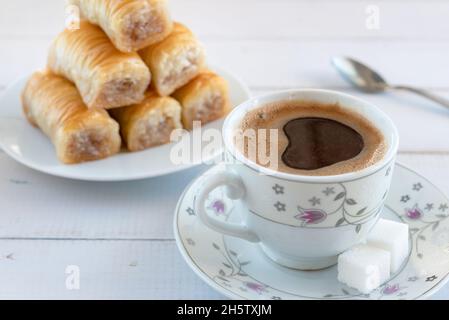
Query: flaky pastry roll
x,y
204,99
149,123
105,77
78,133
130,24
175,60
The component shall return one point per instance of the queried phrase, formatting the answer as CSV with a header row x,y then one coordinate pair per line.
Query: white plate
x,y
32,148
239,269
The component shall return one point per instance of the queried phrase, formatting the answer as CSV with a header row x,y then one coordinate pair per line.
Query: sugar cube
x,y
393,237
364,268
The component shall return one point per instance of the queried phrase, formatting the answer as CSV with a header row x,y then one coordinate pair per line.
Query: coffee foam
x,y
276,115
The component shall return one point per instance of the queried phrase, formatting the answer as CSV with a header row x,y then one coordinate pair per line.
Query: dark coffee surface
x,y
314,139
315,143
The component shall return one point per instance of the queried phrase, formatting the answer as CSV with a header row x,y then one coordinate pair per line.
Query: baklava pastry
x,y
78,133
149,123
130,24
204,99
105,77
175,60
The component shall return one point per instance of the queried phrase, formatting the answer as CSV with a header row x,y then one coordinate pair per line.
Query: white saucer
x,y
239,269
32,148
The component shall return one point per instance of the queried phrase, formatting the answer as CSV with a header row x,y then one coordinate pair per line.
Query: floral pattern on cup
x,y
321,205
311,216
342,215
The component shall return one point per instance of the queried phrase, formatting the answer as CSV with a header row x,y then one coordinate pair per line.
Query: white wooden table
x,y
120,234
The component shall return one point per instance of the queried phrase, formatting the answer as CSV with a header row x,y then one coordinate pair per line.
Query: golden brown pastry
x,y
130,24
175,60
105,77
150,123
204,99
79,134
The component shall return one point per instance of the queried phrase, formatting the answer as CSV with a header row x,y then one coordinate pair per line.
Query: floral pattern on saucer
x,y
240,270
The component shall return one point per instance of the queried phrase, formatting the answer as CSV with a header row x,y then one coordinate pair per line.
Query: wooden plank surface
x,y
40,206
36,269
263,19
285,63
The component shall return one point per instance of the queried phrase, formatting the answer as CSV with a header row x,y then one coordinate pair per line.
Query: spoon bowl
x,y
359,74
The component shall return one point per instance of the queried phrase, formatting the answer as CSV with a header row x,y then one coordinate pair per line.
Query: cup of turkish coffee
x,y
311,168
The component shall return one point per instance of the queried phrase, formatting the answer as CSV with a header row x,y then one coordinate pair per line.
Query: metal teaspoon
x,y
368,80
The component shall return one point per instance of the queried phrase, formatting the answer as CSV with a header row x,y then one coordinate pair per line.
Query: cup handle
x,y
235,190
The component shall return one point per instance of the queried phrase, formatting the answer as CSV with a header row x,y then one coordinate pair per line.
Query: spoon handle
x,y
440,100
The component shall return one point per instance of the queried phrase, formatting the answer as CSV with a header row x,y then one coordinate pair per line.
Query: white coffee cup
x,y
291,228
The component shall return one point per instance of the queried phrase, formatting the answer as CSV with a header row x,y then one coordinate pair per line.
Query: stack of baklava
x,y
127,73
